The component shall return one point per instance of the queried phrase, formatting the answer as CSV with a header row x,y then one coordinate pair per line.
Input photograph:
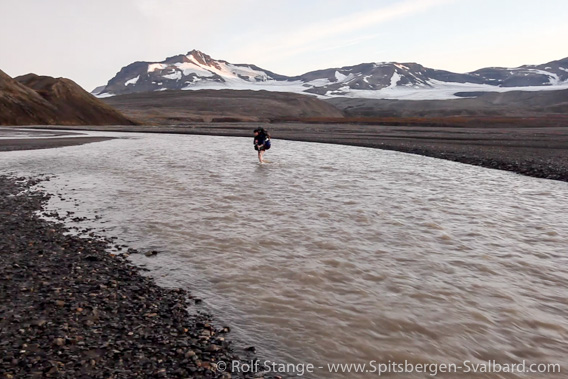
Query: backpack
x,y
267,143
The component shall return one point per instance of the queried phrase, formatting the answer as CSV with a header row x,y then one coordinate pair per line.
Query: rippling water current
x,y
335,254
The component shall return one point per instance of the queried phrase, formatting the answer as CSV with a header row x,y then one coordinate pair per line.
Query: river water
x,y
334,254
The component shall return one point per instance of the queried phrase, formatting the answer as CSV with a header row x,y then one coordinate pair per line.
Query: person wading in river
x,y
261,142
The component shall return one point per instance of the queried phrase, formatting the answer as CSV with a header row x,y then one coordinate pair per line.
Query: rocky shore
x,y
71,309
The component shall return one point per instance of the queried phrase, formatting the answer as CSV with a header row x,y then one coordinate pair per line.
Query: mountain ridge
x,y
379,80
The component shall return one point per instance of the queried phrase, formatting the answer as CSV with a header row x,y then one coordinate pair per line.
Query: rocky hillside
x,y
74,105
20,105
43,100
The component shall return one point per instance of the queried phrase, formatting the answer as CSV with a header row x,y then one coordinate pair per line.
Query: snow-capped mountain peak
x,y
194,69
197,70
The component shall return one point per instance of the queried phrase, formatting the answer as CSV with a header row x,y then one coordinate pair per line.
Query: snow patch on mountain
x,y
552,77
176,75
317,83
188,68
104,95
438,91
275,86
339,76
156,66
132,81
395,78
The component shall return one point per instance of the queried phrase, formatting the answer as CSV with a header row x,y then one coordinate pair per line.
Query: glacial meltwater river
x,y
335,254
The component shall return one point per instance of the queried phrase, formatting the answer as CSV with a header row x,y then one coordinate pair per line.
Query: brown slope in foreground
x,y
179,107
20,105
74,105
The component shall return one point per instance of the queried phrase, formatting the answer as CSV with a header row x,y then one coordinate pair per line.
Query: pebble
x,y
59,341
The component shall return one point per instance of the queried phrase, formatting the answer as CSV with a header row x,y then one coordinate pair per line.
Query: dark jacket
x,y
260,139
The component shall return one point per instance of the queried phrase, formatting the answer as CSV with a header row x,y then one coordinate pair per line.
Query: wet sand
x,y
538,151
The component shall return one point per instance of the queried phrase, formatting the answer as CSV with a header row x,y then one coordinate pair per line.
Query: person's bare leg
x,y
260,154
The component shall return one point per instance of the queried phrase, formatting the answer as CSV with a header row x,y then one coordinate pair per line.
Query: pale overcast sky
x,y
89,41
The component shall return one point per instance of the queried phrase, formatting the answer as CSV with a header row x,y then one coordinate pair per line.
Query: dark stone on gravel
x,y
71,309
